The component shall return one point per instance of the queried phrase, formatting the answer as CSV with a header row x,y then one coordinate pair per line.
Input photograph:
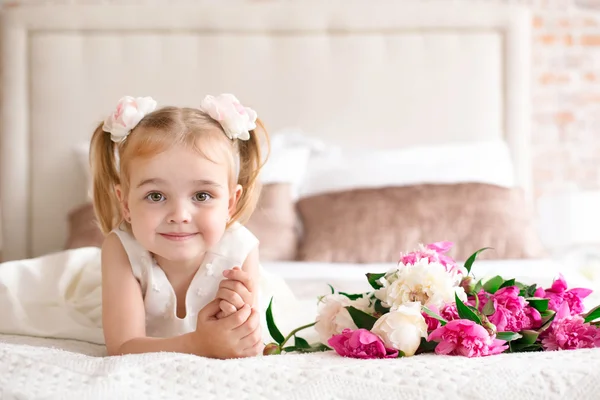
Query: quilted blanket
x,y
60,369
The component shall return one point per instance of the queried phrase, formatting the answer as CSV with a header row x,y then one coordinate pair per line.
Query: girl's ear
x,y
122,202
234,198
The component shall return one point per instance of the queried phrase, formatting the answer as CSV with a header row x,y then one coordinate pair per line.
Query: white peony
x,y
425,282
333,317
402,329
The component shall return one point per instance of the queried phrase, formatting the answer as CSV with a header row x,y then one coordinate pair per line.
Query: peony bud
x,y
271,349
485,322
468,284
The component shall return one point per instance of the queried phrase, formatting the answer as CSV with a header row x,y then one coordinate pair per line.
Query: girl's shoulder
x,y
237,242
139,258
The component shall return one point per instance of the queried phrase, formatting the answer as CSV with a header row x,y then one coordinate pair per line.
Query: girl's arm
x,y
124,320
123,313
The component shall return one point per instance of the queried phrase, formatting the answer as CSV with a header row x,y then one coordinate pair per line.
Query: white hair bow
x,y
129,112
237,121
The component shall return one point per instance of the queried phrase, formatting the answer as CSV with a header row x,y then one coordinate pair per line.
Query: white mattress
x,y
34,368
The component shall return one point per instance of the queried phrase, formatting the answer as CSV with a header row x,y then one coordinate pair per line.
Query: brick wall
x,y
566,100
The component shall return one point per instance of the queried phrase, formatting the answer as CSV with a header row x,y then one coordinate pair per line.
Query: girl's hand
x,y
234,292
238,335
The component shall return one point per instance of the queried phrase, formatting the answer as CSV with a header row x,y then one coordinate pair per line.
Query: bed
x,y
406,75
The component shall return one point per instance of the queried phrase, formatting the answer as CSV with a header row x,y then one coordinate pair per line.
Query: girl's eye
x,y
202,196
155,196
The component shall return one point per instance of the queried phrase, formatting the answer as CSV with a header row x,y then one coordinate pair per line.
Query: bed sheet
x,y
40,368
46,369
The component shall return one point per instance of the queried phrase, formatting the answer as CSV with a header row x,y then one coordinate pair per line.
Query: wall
x,y
566,91
566,100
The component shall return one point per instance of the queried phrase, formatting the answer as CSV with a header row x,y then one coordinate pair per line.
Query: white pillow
x,y
289,155
336,170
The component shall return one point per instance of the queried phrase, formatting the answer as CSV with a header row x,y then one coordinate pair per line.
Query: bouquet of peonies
x,y
430,304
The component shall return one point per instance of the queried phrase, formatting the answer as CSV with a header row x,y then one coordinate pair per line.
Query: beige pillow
x,y
274,223
83,229
376,225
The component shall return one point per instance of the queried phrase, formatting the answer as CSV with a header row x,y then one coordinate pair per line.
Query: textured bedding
x,y
37,371
41,368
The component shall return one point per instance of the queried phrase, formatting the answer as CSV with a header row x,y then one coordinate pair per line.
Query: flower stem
x,y
292,333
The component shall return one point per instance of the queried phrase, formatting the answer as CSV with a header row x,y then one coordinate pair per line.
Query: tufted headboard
x,y
390,73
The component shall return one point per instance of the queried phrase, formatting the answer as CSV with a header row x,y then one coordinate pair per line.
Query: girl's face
x,y
179,203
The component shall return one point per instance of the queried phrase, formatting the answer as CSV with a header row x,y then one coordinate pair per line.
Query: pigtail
x,y
253,154
105,177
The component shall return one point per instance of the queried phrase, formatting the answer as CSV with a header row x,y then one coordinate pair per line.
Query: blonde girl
x,y
172,187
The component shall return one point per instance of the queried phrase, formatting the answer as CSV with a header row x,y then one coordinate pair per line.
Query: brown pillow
x,y
376,225
83,230
274,223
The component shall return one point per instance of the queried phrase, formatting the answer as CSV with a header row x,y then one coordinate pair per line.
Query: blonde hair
x,y
157,132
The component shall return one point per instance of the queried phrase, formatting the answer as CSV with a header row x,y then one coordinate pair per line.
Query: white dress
x,y
160,301
59,295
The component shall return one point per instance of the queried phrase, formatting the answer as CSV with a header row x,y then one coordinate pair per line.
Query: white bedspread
x,y
37,368
35,372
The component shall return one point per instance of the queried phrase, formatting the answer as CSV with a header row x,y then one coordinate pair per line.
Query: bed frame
x,y
394,73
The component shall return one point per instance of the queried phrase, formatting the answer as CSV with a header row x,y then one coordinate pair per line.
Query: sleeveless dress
x,y
160,301
59,295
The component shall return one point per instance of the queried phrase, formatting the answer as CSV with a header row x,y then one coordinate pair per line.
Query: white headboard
x,y
385,73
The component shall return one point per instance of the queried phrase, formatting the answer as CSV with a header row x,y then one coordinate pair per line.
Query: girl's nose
x,y
179,214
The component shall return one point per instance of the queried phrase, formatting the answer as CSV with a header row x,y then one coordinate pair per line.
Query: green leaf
x,y
379,308
508,283
352,296
273,330
471,259
434,315
492,285
332,289
315,347
373,278
426,347
531,290
465,312
594,314
529,337
361,318
489,308
478,287
521,285
539,304
547,317
401,354
301,343
516,347
289,349
508,336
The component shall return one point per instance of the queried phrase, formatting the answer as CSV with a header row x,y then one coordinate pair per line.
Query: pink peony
x,y
558,294
432,323
511,312
434,252
569,332
449,312
466,338
360,343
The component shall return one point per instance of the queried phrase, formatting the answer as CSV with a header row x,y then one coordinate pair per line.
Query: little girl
x,y
171,188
